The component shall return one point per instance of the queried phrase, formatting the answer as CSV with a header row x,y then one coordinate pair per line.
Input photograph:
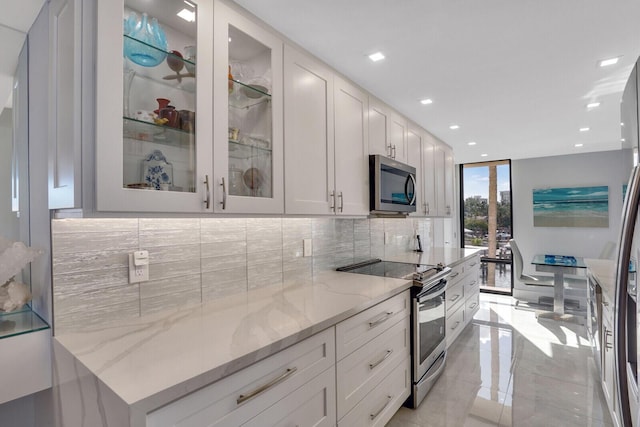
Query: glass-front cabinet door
x,y
248,165
153,125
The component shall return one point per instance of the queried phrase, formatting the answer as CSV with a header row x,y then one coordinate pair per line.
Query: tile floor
x,y
509,369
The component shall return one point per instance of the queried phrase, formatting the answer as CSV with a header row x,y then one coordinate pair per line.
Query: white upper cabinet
x,y
444,180
326,142
387,131
248,122
429,174
153,139
414,152
351,149
308,135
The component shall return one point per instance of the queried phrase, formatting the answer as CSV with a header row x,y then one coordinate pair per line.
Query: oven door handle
x,y
432,292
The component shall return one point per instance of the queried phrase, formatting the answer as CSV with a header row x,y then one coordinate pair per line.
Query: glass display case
x,y
159,95
248,117
250,113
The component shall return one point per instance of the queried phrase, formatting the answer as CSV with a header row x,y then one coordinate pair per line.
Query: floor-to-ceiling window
x,y
486,220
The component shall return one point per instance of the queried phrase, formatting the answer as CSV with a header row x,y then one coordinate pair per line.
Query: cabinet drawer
x,y
472,263
454,324
313,404
363,369
356,331
236,399
472,304
471,284
455,296
457,271
377,408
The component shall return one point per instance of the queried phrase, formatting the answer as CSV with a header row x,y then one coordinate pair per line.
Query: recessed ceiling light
x,y
471,143
375,57
608,62
578,145
483,155
593,105
187,15
584,129
426,101
454,127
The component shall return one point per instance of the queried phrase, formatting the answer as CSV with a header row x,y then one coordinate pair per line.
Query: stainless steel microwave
x,y
392,185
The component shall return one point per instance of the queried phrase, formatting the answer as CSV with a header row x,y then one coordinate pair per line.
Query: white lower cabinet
x,y
462,296
373,363
311,405
240,397
377,408
608,359
363,369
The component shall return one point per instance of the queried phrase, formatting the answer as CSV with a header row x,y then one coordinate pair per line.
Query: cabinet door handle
x,y
607,344
341,205
455,326
382,359
381,320
427,209
224,194
455,297
244,397
604,303
207,200
332,201
379,411
390,150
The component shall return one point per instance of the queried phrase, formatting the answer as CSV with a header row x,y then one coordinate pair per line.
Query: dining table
x,y
559,265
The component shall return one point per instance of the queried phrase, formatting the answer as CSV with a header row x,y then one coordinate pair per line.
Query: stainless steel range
x,y
428,347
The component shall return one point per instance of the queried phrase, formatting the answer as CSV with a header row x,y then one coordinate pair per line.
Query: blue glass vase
x,y
146,43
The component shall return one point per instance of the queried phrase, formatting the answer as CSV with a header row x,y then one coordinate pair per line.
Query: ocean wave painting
x,y
571,207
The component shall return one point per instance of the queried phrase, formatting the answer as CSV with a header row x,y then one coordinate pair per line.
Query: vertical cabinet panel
x,y
248,122
351,149
398,137
444,180
65,121
308,133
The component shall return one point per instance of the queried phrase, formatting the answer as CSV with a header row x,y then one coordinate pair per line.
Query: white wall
x,y
580,170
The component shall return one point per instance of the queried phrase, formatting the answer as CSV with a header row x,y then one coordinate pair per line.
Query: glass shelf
x,y
239,150
20,322
245,96
161,73
152,132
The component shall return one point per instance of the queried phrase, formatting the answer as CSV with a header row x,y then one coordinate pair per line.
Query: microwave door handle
x,y
406,189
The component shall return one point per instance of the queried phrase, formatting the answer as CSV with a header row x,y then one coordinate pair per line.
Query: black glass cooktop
x,y
399,270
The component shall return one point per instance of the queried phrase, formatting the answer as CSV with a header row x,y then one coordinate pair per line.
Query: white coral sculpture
x,y
14,256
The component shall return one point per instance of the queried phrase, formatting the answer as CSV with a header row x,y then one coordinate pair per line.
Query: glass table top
x,y
559,260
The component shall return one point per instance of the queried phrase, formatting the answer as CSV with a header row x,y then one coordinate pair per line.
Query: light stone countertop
x,y
152,360
604,272
432,256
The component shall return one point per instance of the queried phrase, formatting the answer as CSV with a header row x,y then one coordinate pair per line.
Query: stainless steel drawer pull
x,y
455,326
379,411
471,265
382,359
453,275
455,297
606,304
383,319
473,306
244,397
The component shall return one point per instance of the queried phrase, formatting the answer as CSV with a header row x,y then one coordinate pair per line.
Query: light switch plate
x,y
307,248
139,273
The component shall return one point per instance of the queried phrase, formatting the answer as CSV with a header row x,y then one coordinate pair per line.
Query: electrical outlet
x,y
138,266
307,248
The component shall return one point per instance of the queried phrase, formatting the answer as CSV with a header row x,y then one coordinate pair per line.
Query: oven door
x,y
428,328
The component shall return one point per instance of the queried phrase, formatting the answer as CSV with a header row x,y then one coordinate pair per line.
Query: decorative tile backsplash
x,y
194,260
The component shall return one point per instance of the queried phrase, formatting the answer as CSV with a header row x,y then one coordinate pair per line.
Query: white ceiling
x,y
515,75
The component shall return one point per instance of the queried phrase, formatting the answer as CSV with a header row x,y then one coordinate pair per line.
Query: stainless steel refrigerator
x,y
625,328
